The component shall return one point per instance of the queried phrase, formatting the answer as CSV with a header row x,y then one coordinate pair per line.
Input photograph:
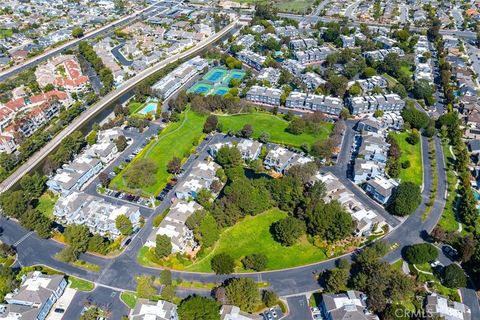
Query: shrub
x,y
454,277
222,263
257,262
420,253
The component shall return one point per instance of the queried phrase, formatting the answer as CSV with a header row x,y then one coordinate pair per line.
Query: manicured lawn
x,y
130,299
5,33
46,203
177,140
413,153
448,220
134,106
252,235
299,6
80,284
398,264
274,125
405,68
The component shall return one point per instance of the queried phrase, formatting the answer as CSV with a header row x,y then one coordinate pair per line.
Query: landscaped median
x,y
178,139
252,236
129,298
80,284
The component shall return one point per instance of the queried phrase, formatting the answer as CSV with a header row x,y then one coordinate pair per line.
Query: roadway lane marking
x,y
22,239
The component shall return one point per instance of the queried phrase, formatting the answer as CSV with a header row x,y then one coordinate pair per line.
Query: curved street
x,y
119,273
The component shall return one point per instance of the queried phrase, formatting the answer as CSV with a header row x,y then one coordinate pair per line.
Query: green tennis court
x,y
220,90
236,74
200,88
215,75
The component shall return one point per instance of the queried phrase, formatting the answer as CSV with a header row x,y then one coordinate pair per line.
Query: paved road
x,y
298,308
350,11
404,13
103,103
458,17
4,75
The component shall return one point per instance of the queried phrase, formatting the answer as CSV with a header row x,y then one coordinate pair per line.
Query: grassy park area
x,y
46,203
274,125
448,220
249,236
296,6
412,153
178,139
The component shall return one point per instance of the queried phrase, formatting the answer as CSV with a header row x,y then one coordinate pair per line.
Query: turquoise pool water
x,y
151,107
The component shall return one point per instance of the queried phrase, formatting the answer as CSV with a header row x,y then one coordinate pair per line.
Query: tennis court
x,y
236,74
215,75
220,90
200,88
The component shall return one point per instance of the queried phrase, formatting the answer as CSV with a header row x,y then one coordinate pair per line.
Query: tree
x,y
91,138
77,32
296,126
33,185
222,263
121,143
242,292
210,124
68,254
13,203
145,287
423,90
378,113
174,166
406,199
124,225
198,308
330,221
246,131
416,118
369,72
203,198
454,276
269,298
413,137
420,253
466,247
336,280
141,173
355,90
8,281
257,262
288,230
77,236
229,157
104,179
166,277
208,231
264,137
163,246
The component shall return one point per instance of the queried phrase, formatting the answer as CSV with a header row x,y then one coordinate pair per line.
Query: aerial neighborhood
x,y
236,160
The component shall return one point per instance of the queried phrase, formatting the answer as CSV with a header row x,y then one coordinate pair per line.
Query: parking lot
x,y
273,313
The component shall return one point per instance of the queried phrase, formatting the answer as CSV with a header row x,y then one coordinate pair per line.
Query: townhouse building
x,y
201,177
380,189
95,213
153,310
173,226
438,306
280,159
369,104
312,80
252,59
326,104
349,305
264,95
271,75
35,297
313,55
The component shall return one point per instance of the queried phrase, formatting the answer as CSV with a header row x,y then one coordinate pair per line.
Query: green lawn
x,y
405,68
46,203
80,284
274,125
252,235
176,140
413,153
448,220
299,6
134,106
130,299
5,33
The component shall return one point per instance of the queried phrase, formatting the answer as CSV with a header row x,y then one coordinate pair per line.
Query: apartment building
x,y
252,59
153,310
349,305
369,104
326,104
264,95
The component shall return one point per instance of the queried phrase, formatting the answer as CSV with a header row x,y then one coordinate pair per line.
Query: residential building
x,y
348,41
312,80
364,170
380,189
269,74
94,212
229,312
62,71
438,306
153,310
381,53
249,149
313,55
173,226
287,31
326,104
369,104
349,305
35,297
246,41
72,176
294,67
264,95
370,83
252,59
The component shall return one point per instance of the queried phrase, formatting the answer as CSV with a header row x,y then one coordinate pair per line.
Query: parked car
x,y
450,252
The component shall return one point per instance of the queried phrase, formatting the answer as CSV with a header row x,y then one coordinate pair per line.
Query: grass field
x,y
448,220
177,140
79,284
134,106
274,125
130,299
252,235
5,33
46,203
299,6
413,153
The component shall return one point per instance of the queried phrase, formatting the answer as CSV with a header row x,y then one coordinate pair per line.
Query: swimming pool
x,y
151,107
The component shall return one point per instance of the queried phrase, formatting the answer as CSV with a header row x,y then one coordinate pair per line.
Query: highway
x,y
4,75
104,102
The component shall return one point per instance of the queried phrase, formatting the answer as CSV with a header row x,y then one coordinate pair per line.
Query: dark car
x,y
450,252
59,310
